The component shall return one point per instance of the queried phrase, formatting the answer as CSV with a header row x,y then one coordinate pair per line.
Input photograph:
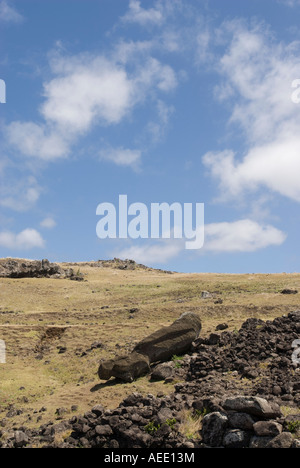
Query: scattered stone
x,y
20,439
206,295
218,301
289,291
162,371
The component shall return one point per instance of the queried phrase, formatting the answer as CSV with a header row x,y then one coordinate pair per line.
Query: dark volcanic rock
x,y
18,268
289,291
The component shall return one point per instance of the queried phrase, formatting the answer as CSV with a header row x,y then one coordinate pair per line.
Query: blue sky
x,y
164,101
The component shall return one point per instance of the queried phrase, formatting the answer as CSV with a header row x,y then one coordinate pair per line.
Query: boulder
x,y
255,406
162,371
236,438
213,428
267,428
159,346
283,440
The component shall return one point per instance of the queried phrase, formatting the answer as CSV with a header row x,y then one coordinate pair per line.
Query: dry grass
x,y
39,316
191,424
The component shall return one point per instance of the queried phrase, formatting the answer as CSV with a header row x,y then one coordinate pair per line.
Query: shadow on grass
x,y
108,383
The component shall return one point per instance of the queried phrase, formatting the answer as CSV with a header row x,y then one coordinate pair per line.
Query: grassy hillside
x,y
57,331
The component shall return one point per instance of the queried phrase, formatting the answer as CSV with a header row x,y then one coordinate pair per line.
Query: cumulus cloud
x,y
25,240
274,165
257,75
38,140
86,91
241,236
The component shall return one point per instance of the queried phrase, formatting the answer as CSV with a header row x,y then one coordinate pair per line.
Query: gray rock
x,y
236,438
213,428
162,371
267,428
206,295
242,421
283,440
104,430
20,439
255,406
296,443
163,415
259,442
98,410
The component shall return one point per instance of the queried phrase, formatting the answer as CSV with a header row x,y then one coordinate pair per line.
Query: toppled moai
x,y
159,346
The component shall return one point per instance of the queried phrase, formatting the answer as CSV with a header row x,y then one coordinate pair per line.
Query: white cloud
x,y
158,253
122,156
142,16
87,91
275,165
48,223
241,236
38,140
8,13
25,240
257,79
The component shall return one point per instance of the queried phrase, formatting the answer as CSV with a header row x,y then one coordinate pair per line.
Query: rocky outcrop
x,y
119,264
159,346
19,268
